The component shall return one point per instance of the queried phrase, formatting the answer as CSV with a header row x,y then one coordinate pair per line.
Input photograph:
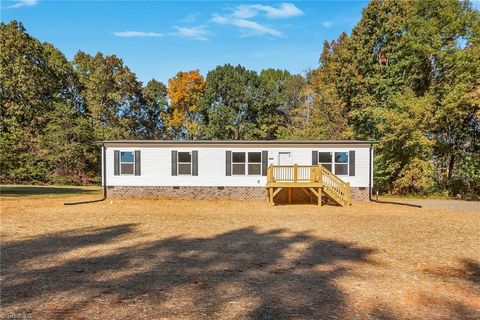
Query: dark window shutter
x,y
314,158
137,163
174,163
264,162
194,163
351,162
116,163
228,163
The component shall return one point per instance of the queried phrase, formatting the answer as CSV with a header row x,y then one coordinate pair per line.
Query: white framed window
x,y
238,163
127,163
336,162
254,163
184,163
247,163
325,159
341,163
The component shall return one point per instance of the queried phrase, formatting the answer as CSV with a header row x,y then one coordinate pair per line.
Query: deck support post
x,y
348,195
320,197
289,195
272,192
318,193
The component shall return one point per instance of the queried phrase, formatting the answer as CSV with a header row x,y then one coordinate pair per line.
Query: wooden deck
x,y
314,181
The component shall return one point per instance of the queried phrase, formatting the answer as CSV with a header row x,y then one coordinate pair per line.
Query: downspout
x,y
104,171
370,172
104,182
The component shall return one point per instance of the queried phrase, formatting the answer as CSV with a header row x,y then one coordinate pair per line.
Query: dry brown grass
x,y
234,260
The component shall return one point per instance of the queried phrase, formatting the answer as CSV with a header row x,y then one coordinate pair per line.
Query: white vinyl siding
x,y
156,166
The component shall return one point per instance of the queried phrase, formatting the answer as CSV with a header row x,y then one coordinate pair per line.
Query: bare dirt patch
x,y
236,260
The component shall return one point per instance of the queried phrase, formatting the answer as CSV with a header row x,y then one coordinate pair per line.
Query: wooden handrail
x,y
336,188
294,173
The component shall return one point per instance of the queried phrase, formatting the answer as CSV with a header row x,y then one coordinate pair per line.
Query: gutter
x,y
219,143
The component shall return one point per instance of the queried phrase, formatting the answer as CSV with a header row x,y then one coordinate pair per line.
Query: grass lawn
x,y
236,260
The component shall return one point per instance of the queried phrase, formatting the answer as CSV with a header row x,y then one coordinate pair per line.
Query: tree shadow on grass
x,y
32,191
244,273
259,275
469,272
15,252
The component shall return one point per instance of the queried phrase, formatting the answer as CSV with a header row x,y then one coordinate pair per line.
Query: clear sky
x,y
156,39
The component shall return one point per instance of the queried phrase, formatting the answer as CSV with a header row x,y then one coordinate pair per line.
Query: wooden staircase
x,y
335,188
312,180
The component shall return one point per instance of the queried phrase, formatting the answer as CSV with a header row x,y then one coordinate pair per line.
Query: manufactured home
x,y
277,171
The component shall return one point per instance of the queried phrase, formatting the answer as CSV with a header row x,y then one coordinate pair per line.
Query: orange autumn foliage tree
x,y
185,92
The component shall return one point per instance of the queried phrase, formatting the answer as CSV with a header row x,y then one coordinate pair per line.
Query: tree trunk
x,y
451,163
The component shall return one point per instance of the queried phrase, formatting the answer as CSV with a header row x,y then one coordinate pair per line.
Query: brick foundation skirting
x,y
201,193
206,193
359,194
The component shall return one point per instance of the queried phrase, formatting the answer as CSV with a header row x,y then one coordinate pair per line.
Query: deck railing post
x,y
295,172
320,178
270,173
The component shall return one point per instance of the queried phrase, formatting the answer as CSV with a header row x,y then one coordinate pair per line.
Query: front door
x,y
284,158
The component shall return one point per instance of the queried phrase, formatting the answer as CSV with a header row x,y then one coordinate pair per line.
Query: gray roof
x,y
236,142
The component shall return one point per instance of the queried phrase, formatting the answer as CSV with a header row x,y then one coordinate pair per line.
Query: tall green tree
x,y
230,103
34,76
450,33
111,95
322,113
278,94
421,52
70,151
154,106
404,163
